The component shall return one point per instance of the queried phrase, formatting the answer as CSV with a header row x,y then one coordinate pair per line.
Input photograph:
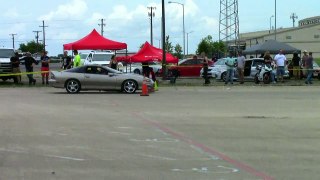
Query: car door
x,y
97,77
190,67
247,68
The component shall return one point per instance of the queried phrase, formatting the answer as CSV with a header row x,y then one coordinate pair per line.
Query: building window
x,y
288,37
316,36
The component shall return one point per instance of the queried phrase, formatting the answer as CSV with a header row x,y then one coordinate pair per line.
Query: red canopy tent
x,y
94,41
149,53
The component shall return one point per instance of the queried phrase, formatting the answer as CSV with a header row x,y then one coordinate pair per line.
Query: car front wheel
x,y
73,86
129,86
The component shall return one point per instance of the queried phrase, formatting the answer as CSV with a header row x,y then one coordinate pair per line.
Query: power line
x,y
44,35
13,40
37,38
102,25
293,17
151,15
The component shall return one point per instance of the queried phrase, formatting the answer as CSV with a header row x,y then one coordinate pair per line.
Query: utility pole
x,y
151,15
102,25
13,39
163,37
44,35
293,17
37,38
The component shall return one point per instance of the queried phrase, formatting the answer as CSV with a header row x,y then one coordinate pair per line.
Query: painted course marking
x,y
204,148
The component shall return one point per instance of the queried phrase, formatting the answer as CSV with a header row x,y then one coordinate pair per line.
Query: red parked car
x,y
187,68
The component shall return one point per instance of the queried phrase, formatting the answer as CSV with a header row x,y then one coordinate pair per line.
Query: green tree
x,y
208,46
178,51
168,45
31,47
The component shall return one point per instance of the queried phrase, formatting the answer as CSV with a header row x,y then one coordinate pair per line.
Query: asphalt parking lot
x,y
177,133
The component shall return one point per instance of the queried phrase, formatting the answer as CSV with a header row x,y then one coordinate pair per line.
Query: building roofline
x,y
279,32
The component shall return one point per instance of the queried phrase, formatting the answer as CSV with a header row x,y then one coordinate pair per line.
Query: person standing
x,y
66,61
29,63
240,66
303,63
268,62
77,59
45,60
205,70
15,63
296,61
113,63
309,68
145,69
280,60
231,64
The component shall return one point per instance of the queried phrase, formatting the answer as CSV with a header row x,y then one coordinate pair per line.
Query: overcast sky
x,y
127,20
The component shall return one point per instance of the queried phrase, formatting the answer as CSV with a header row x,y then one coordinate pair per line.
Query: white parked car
x,y
218,70
98,58
137,67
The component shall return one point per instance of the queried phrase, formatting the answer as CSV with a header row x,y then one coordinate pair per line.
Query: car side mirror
x,y
111,74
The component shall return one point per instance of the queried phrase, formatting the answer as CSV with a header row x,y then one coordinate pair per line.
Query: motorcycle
x,y
264,74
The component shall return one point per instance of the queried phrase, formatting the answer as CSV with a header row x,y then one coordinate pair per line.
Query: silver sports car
x,y
96,77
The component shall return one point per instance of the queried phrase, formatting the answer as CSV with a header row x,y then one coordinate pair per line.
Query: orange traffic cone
x,y
144,89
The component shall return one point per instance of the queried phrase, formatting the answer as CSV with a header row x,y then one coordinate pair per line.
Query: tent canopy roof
x,y
151,53
94,41
272,46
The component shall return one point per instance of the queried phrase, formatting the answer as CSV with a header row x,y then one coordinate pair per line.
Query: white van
x,y
5,63
99,57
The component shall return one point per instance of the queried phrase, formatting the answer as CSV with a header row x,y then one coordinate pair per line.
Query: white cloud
x,y
11,13
75,9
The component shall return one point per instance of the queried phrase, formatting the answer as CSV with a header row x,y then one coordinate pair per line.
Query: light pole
x,y
270,23
188,41
184,32
275,19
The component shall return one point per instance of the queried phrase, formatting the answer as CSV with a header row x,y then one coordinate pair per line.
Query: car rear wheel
x,y
224,76
129,86
73,86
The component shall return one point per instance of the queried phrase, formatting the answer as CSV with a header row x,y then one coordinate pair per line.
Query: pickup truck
x,y
5,64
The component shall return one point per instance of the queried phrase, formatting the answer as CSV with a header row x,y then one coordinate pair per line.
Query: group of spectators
x,y
30,62
279,63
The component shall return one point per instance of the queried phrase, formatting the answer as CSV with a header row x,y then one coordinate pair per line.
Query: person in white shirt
x,y
280,60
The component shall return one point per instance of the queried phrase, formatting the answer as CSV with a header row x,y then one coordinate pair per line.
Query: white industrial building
x,y
304,37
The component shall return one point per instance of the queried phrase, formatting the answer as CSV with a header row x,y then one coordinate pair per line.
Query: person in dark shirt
x,y
15,62
296,61
113,63
268,61
145,69
29,63
45,60
66,61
